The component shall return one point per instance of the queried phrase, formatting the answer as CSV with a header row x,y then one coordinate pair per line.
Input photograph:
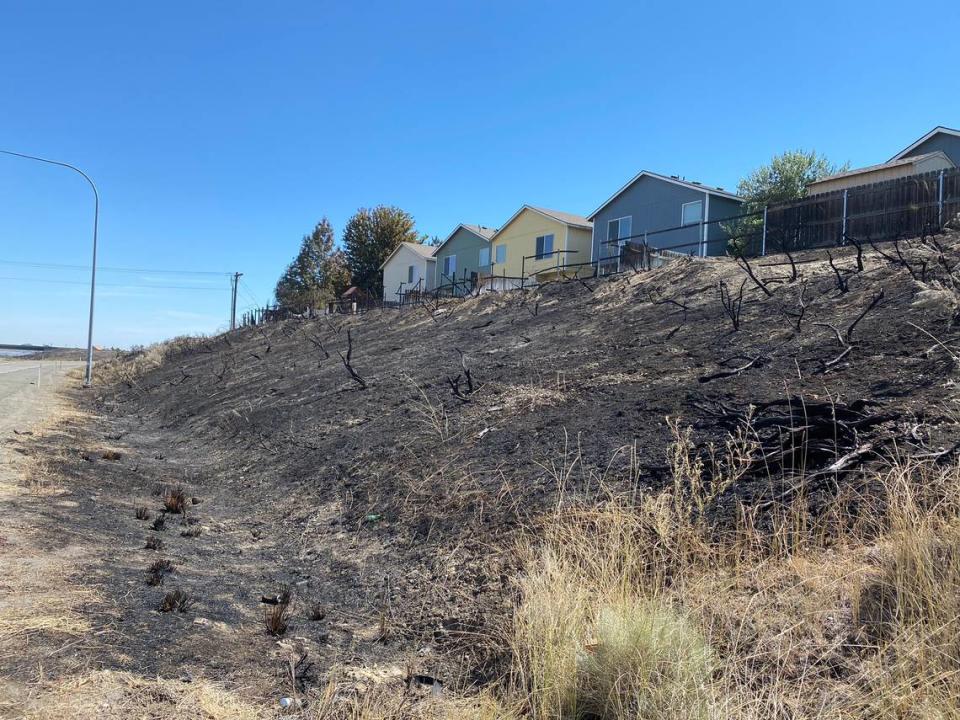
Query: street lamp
x,y
88,376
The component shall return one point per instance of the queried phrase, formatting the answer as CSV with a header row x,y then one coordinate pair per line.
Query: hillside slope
x,y
393,498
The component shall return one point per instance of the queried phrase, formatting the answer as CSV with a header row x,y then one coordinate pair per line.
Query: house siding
x,y
654,204
948,144
396,269
520,239
466,246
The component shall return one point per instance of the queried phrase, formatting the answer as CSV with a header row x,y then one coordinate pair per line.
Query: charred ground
x,y
381,465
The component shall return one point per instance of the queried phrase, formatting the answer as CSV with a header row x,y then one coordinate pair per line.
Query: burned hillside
x,y
382,466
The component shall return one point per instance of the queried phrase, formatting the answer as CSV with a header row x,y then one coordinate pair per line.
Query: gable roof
x,y
484,233
939,129
561,217
693,185
911,160
424,251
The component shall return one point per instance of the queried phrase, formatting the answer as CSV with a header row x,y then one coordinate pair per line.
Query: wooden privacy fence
x,y
900,208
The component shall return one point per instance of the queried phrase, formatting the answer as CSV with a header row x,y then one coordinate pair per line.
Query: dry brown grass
x,y
641,608
128,367
108,695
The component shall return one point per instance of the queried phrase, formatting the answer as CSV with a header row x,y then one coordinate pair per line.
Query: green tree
x,y
317,274
369,238
785,178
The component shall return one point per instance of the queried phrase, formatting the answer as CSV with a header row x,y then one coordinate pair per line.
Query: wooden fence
x,y
900,208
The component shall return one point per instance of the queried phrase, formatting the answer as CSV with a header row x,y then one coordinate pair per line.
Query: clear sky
x,y
220,132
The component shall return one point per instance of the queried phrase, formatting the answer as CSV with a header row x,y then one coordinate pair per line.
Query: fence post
x,y
763,239
940,202
843,231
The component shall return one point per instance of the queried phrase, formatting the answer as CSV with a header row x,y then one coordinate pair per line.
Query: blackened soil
x,y
394,503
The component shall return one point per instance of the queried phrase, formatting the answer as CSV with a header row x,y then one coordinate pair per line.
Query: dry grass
x,y
108,695
175,499
176,600
644,609
127,368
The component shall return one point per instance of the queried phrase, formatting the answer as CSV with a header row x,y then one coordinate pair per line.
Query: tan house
x,y
537,244
900,167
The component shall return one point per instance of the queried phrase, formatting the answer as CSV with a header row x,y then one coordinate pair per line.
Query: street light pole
x,y
88,375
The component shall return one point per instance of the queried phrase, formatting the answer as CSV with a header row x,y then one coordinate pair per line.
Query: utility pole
x,y
234,281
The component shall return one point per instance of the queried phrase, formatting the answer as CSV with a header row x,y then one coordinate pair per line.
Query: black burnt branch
x,y
801,308
745,266
842,283
462,385
732,305
845,338
347,363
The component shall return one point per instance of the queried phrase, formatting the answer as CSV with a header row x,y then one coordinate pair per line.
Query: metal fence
x,y
894,209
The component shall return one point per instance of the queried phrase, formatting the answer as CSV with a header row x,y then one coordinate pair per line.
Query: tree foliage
x,y
785,178
369,238
317,274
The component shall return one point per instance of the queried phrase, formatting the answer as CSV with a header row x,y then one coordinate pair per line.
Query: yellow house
x,y
537,244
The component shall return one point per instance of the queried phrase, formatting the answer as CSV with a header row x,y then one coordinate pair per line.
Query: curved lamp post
x,y
88,375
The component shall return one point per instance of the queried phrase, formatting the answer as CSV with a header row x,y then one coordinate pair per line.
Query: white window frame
x,y
542,255
497,248
620,234
410,272
487,251
683,222
450,266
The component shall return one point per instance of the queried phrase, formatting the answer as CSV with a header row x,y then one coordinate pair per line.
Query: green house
x,y
462,259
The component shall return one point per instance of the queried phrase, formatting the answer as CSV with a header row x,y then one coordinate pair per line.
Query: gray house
x,y
464,256
942,139
668,212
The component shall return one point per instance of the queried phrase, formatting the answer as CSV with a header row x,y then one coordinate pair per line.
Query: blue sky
x,y
220,132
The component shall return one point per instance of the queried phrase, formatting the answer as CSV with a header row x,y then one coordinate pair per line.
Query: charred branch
x,y
732,306
349,366
745,265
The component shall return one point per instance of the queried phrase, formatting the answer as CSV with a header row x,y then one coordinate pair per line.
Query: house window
x,y
691,213
501,254
619,229
484,257
410,271
450,265
544,246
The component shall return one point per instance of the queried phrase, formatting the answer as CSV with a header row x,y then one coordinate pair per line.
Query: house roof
x,y
911,160
424,251
940,129
693,185
484,233
561,217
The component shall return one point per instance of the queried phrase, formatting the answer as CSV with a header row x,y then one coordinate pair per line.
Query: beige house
x,y
411,267
897,168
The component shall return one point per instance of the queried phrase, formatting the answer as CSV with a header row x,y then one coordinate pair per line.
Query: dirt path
x,y
38,616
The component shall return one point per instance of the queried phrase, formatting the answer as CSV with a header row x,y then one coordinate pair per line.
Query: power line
x,y
126,285
62,266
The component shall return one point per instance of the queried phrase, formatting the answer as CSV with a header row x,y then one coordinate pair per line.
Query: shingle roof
x,y
420,249
939,129
910,160
424,251
564,217
673,179
480,230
